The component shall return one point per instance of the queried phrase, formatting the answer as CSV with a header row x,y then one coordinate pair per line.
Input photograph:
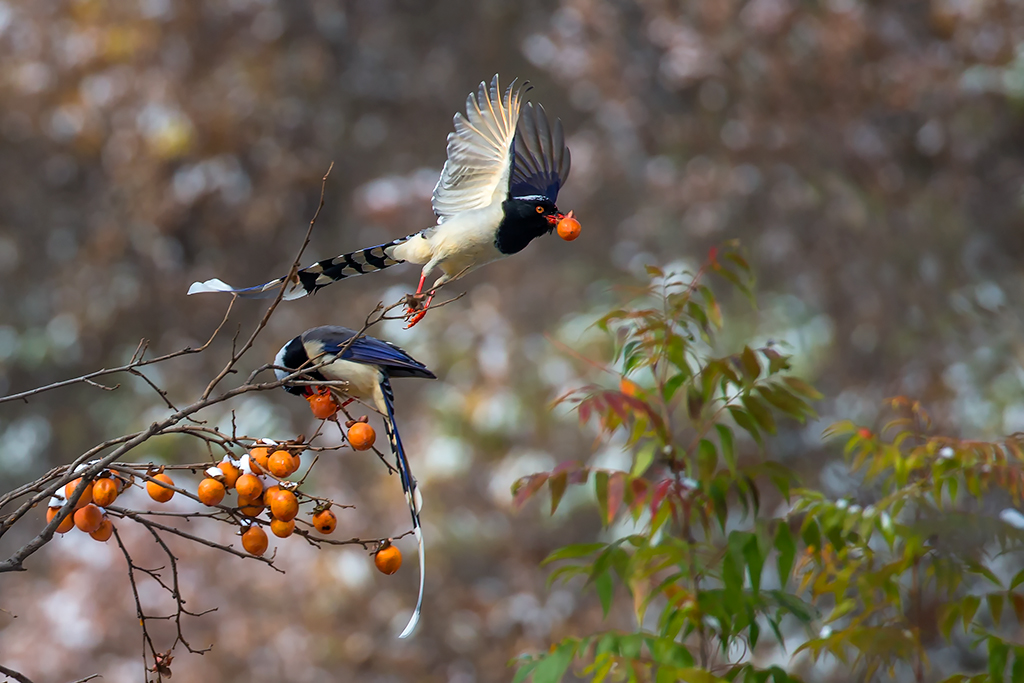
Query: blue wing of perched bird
x,y
369,350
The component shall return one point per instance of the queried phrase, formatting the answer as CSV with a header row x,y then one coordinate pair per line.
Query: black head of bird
x,y
293,356
525,219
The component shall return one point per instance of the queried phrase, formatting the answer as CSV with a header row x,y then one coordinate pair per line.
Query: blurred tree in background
x,y
868,155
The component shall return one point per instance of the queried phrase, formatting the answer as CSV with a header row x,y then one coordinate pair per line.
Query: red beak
x,y
554,218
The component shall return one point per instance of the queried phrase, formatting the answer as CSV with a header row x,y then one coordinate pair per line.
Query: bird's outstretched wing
x,y
479,152
541,157
411,496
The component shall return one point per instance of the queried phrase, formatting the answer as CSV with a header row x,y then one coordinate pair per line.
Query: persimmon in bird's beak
x,y
568,227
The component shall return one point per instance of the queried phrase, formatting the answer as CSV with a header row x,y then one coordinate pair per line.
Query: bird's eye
x,y
540,209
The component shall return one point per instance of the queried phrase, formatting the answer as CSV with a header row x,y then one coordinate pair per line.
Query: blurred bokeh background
x,y
869,155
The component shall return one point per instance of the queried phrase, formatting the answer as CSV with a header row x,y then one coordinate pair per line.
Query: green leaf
x,y
751,366
604,586
755,562
811,533
976,567
843,608
553,667
557,484
726,444
733,563
667,652
1017,672
707,459
694,402
968,606
571,552
644,459
743,419
947,619
672,386
997,655
786,546
995,606
524,671
803,388
714,311
760,412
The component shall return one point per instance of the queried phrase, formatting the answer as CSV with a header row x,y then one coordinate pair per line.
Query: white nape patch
x,y
278,361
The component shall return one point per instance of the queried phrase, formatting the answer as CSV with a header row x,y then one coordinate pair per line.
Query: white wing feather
x,y
476,174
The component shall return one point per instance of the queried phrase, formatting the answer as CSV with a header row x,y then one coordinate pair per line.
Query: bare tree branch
x,y
11,673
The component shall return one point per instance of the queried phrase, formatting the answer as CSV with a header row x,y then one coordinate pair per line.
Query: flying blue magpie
x,y
496,194
367,365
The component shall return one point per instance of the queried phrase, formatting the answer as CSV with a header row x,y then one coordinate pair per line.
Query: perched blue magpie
x,y
367,365
496,194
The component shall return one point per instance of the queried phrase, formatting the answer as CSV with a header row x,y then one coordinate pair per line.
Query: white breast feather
x,y
363,381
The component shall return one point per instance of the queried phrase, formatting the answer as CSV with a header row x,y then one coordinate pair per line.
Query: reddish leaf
x,y
601,489
660,492
616,490
526,487
637,493
584,410
566,466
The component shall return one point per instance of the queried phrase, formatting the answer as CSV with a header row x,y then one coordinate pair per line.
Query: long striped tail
x,y
412,495
314,277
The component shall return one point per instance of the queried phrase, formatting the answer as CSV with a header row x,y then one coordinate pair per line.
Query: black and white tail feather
x,y
311,278
412,495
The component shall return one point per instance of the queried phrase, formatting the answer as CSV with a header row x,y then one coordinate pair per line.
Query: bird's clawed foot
x,y
416,307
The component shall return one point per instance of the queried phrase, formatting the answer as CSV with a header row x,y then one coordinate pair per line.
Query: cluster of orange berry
x,y
89,515
248,477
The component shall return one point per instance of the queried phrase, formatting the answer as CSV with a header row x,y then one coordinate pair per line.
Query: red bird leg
x,y
419,316
410,311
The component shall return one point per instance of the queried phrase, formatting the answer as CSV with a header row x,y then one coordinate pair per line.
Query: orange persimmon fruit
x,y
284,506
361,436
260,455
231,474
255,540
568,228
281,464
160,494
66,525
249,486
281,528
104,491
325,521
210,492
89,518
104,531
323,404
86,498
251,506
388,559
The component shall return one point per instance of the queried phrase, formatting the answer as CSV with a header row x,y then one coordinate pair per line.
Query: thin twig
x,y
11,673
